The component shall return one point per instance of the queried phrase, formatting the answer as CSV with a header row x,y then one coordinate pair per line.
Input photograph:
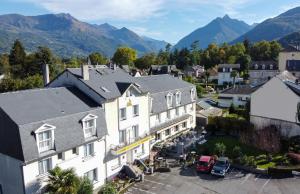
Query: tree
x,y
244,61
4,64
109,188
124,56
9,84
62,181
97,58
162,58
220,149
233,74
275,48
17,59
145,61
85,186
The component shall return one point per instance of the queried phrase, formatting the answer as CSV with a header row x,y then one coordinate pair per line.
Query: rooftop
x,y
241,89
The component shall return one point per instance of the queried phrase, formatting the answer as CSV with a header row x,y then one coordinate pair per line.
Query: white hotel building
x,y
95,120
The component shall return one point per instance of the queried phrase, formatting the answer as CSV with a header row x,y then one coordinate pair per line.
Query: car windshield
x,y
202,163
220,163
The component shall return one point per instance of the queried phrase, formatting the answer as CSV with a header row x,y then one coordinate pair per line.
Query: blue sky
x,y
168,20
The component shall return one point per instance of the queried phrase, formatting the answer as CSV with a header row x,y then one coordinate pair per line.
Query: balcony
x,y
170,123
120,149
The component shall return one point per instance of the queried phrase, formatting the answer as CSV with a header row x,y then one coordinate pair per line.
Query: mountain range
x,y
218,31
67,36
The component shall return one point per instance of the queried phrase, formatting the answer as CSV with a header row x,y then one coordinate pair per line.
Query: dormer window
x,y
129,93
271,67
169,100
89,125
193,94
263,66
178,98
45,137
256,66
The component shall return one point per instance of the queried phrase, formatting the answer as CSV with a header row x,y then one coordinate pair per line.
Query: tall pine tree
x,y
17,59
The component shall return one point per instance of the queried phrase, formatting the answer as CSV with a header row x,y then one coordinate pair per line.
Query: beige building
x,y
290,60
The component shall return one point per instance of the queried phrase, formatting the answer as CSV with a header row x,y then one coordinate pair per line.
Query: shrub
x,y
251,161
109,188
220,149
261,157
244,160
236,152
85,186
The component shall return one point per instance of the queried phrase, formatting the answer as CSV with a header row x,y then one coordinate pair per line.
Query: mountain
x,y
218,31
67,36
274,28
156,44
292,39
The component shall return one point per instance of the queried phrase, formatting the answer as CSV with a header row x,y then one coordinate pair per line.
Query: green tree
x,y
195,54
162,58
220,149
85,186
9,84
17,59
4,64
244,61
97,58
124,56
275,48
109,188
62,181
145,61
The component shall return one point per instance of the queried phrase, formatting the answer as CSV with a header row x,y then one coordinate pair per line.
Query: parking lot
x,y
188,181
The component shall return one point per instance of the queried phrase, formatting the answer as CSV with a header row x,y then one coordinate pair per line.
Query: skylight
x,y
104,89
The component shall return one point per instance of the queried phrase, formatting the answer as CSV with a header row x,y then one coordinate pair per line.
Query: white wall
x,y
259,76
237,100
11,175
81,165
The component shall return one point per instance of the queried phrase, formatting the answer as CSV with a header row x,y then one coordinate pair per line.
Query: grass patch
x,y
267,165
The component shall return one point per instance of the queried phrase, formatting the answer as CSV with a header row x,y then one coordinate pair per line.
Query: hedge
x,y
282,171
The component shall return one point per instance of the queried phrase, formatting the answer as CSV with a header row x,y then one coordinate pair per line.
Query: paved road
x,y
237,182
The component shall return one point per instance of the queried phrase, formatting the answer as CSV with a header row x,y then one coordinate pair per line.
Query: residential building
x,y
224,73
276,103
95,120
289,60
238,95
165,69
262,71
194,71
204,110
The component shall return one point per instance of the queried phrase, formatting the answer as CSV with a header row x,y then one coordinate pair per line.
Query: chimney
x,y
46,74
85,72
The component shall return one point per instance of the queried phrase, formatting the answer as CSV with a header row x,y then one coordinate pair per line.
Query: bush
x,y
85,186
282,171
109,188
236,152
220,149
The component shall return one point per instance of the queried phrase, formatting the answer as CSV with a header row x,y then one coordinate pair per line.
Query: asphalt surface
x,y
188,181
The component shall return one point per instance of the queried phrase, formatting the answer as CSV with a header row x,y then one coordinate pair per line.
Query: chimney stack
x,y
85,72
46,74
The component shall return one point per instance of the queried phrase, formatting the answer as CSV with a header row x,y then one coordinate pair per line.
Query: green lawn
x,y
230,143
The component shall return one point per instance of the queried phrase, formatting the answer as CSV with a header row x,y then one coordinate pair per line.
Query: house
x,y
194,71
165,69
276,103
238,95
95,120
204,110
224,73
262,71
289,60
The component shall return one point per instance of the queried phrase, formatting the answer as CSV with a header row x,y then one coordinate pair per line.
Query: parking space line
x,y
157,183
257,177
143,190
262,188
246,178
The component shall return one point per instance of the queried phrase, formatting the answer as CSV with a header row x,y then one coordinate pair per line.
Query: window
x,y
123,114
45,165
75,151
178,98
151,103
177,111
263,66
135,131
167,133
128,93
169,114
89,125
92,175
177,128
158,118
169,100
45,141
89,149
122,136
184,125
60,156
136,110
271,67
240,98
193,94
157,136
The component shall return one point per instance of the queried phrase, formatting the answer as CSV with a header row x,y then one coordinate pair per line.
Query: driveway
x,y
236,182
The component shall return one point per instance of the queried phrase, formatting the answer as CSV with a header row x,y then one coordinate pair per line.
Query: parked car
x,y
221,167
205,163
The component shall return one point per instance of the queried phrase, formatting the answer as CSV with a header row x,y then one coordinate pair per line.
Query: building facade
x,y
289,60
262,71
95,120
224,73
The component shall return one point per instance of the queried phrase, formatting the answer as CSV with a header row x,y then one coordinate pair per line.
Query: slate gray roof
x,y
160,86
241,89
23,112
113,80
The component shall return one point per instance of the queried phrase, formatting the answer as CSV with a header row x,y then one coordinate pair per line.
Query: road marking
x,y
246,178
158,183
262,188
257,177
143,190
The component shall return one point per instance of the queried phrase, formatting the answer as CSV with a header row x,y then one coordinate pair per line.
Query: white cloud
x,y
104,9
145,32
